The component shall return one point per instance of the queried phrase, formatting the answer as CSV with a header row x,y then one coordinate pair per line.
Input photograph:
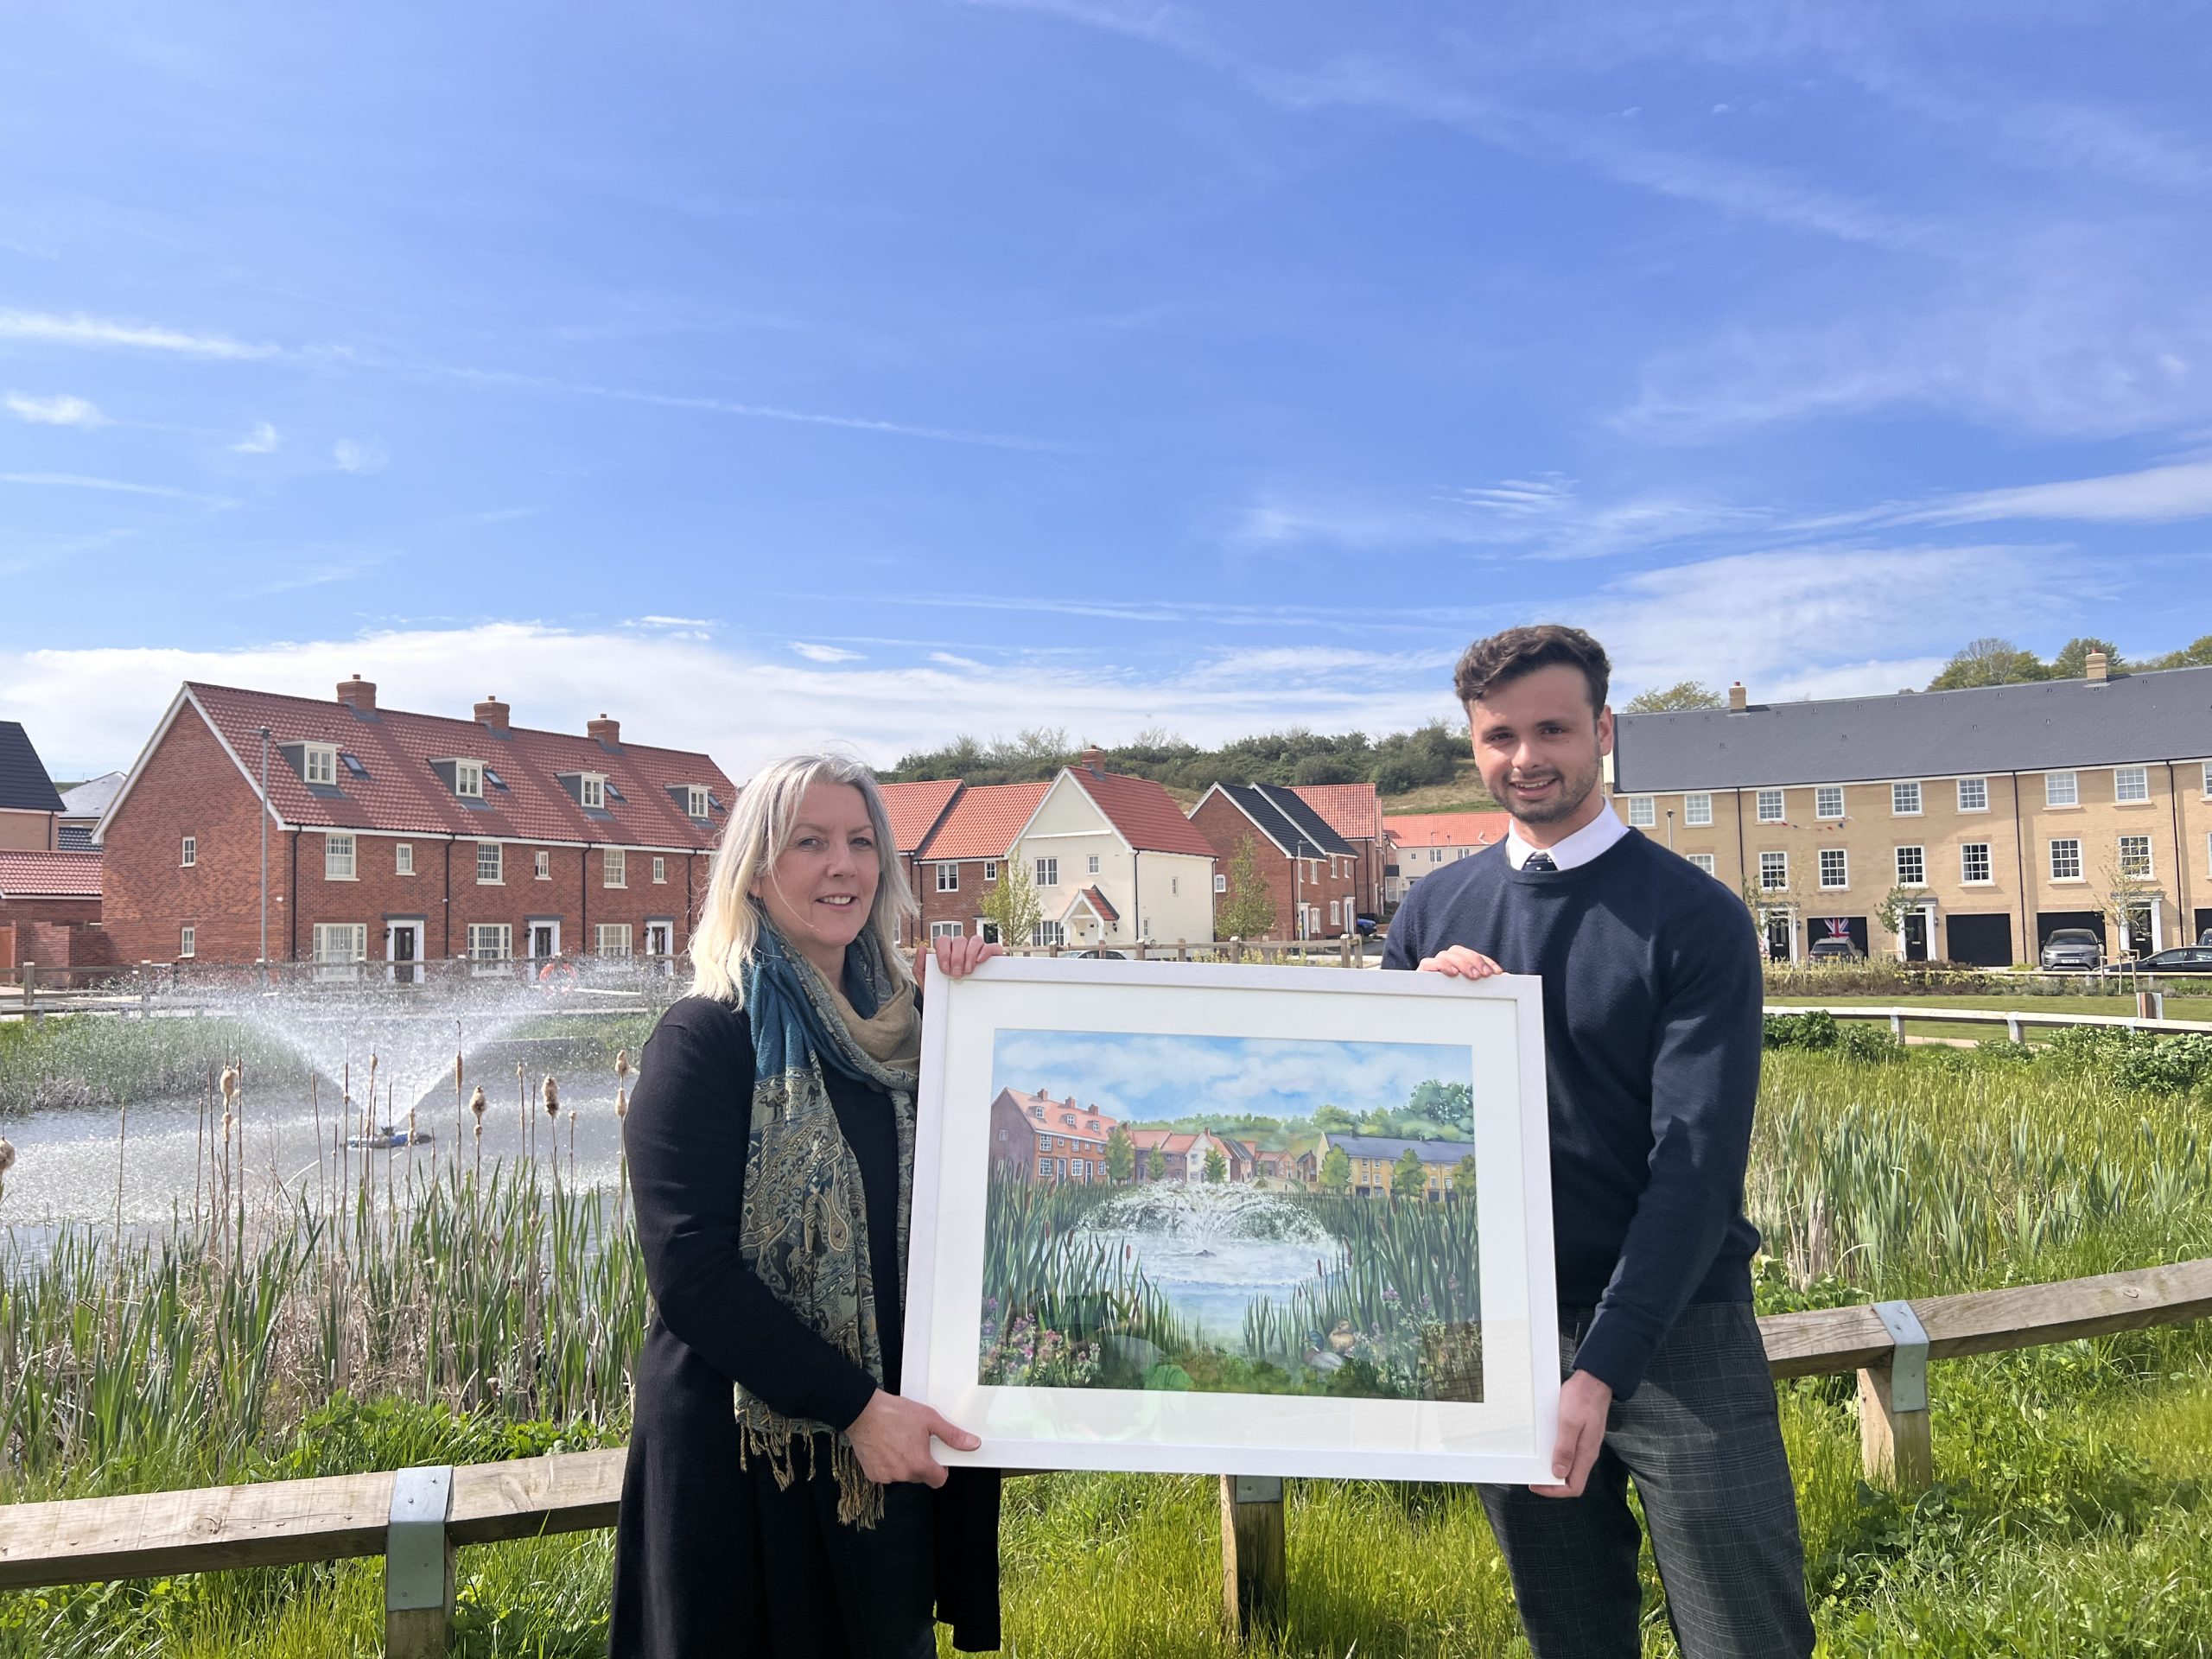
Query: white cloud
x,y
952,661
112,486
825,653
1542,517
354,455
264,440
60,409
78,329
2156,495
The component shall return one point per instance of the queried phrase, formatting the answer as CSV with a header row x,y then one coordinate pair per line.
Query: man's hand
x,y
1457,962
956,957
892,1439
1584,1402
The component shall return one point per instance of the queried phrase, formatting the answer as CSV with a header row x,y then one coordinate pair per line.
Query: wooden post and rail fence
x,y
415,1518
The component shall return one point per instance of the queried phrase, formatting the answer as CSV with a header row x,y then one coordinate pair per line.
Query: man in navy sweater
x,y
1651,986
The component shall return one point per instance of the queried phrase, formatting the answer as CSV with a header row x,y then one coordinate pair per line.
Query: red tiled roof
x,y
917,809
1448,829
1055,1110
49,875
1143,811
401,792
1353,810
984,821
1099,904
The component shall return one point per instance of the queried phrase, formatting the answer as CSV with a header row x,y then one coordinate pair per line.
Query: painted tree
x,y
1463,1179
1121,1154
1408,1177
1217,1166
1246,910
1010,904
1336,1171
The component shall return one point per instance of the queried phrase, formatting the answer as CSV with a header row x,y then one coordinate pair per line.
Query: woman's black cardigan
x,y
714,1322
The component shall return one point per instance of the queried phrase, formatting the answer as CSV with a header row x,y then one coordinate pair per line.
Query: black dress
x,y
713,1560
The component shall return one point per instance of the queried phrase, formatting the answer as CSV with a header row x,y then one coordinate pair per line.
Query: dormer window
x,y
468,779
1037,1112
698,806
591,787
319,763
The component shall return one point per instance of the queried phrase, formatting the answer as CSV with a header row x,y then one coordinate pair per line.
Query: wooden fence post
x,y
418,1566
1182,949
1896,1439
30,991
1254,1567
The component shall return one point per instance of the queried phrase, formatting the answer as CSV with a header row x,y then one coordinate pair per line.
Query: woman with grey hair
x,y
780,1497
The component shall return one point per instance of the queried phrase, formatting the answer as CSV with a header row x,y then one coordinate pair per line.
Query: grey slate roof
x,y
1294,827
2050,725
90,799
24,787
1390,1149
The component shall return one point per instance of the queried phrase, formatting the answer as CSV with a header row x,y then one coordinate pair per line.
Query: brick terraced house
x,y
50,911
1049,1140
1355,811
915,811
1311,871
395,837
960,862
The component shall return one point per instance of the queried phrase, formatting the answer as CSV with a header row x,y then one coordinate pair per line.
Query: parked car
x,y
1365,925
2073,950
1103,956
1840,949
2181,959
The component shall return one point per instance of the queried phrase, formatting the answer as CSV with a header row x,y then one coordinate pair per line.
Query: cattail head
x,y
476,1103
621,1106
621,1063
552,1097
230,1083
456,1069
7,1155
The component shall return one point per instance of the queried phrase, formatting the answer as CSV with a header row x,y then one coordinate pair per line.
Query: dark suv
x,y
2073,950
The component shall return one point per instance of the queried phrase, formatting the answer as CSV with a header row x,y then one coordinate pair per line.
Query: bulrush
x,y
476,1104
552,1097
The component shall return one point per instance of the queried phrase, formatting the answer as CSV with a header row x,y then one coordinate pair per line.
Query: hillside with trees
x,y
1397,764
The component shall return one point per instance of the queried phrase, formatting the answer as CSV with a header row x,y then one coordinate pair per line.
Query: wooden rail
x,y
2014,1022
284,1523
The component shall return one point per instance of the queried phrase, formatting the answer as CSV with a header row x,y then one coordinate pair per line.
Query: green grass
x,y
2073,1516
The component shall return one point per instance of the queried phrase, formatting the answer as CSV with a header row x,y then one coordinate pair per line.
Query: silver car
x,y
2073,950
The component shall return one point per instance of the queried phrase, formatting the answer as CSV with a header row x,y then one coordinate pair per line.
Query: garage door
x,y
2049,921
1838,927
1984,941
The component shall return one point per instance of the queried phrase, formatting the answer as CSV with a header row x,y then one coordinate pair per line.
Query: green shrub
x,y
1814,1028
1867,1041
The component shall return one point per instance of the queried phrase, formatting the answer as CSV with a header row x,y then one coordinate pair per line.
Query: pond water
x,y
1212,1251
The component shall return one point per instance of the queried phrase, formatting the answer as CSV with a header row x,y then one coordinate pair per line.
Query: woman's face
x,y
822,886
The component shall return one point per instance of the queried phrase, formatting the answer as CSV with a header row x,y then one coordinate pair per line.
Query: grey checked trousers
x,y
1701,1439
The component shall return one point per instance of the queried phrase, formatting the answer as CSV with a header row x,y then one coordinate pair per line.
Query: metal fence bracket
x,y
1909,1364
418,1565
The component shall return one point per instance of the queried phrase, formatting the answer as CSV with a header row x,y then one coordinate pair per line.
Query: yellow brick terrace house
x,y
1994,815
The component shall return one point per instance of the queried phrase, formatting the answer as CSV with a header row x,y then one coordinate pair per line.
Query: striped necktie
x,y
1539,862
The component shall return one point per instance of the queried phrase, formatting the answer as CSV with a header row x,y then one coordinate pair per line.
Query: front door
x,y
2139,937
660,940
403,946
1915,936
545,940
1781,935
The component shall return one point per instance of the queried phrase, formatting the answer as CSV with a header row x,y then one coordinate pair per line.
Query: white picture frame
x,y
1011,1006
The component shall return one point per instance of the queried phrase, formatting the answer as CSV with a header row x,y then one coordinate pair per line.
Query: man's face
x,y
1538,743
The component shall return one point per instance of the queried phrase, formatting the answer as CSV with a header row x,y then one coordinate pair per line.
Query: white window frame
x,y
1049,933
1643,814
188,942
2057,842
1905,799
611,939
493,857
468,779
541,865
2143,870
338,850
1966,877
948,930
338,946
1697,808
2208,780
1221,884
1840,859
2055,793
1824,794
2123,777
187,852
948,878
1048,873
990,870
591,789
698,801
1703,860
1918,855
1981,787
1780,868
1174,887
403,858
660,869
1090,864
613,866
1336,914
1776,799
490,946
319,764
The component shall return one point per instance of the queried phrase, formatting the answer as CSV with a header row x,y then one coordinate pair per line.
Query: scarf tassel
x,y
860,1500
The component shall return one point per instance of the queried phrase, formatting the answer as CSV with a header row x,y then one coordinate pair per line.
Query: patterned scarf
x,y
804,1226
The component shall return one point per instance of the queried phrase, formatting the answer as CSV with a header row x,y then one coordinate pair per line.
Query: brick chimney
x,y
1738,699
493,712
1091,758
2100,665
359,694
607,731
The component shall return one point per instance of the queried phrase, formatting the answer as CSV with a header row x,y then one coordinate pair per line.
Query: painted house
x,y
1309,871
1046,1139
1355,811
1114,861
1375,1158
1180,1155
959,864
395,837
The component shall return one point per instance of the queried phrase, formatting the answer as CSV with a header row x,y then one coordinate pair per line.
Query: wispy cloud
x,y
825,653
264,440
355,456
111,486
79,329
60,409
2156,495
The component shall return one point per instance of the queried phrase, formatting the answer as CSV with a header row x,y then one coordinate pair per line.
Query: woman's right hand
x,y
892,1438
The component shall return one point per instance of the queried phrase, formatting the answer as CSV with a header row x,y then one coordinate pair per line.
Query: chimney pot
x,y
1738,699
2100,665
493,712
357,693
1092,756
608,732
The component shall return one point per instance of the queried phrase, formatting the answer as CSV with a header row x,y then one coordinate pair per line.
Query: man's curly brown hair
x,y
1506,657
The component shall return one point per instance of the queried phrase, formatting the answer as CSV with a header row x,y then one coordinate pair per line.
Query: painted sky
x,y
880,370
1146,1077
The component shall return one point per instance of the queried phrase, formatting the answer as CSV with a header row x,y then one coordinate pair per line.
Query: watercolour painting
x,y
1247,1219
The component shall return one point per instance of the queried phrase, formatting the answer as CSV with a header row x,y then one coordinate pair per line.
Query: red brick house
x,y
395,837
915,811
50,911
1309,871
1048,1140
960,860
1355,811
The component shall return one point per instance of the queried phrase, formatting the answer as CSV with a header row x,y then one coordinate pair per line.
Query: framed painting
x,y
1237,1220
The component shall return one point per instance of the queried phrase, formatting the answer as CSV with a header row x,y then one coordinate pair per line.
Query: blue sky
x,y
1145,1078
765,376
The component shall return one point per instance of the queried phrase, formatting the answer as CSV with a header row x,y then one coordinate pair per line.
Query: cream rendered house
x,y
1113,860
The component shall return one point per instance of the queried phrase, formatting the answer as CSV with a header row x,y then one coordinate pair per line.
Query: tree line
x,y
1395,763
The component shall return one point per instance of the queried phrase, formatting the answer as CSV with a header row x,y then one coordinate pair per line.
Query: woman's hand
x,y
957,955
1458,963
892,1438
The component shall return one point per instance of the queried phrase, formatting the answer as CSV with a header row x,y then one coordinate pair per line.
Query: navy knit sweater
x,y
1651,984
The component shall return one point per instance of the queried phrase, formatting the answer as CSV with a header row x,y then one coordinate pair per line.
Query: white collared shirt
x,y
1584,844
